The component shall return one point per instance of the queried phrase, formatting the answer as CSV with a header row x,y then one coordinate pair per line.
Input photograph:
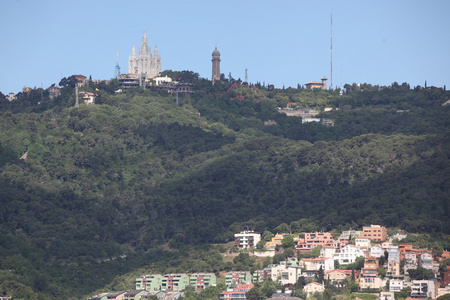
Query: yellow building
x,y
276,240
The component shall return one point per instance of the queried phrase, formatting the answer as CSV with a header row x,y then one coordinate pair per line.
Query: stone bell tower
x,y
215,66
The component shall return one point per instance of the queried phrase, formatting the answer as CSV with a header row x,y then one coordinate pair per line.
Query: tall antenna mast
x,y
331,52
246,77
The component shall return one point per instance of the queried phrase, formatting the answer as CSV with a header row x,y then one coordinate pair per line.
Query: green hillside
x,y
104,187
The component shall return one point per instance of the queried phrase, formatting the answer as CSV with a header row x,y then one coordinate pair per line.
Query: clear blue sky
x,y
279,42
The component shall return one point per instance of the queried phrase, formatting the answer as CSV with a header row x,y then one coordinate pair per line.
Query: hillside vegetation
x,y
105,187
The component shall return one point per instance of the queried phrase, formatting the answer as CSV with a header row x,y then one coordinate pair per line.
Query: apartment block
x,y
149,282
233,278
314,239
246,239
202,280
375,233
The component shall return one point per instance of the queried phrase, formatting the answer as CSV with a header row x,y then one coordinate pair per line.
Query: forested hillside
x,y
102,188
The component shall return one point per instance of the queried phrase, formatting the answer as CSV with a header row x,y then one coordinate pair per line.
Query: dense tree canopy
x,y
104,188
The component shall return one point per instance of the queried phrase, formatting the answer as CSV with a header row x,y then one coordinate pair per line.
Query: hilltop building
x,y
317,85
215,66
144,64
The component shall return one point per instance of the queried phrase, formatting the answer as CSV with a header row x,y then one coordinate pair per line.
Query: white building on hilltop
x,y
144,63
246,239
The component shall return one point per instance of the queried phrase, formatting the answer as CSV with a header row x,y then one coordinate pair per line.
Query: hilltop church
x,y
144,64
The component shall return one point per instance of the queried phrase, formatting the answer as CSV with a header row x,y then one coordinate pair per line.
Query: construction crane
x,y
117,66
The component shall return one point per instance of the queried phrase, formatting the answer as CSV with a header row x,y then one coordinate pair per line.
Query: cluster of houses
x,y
371,243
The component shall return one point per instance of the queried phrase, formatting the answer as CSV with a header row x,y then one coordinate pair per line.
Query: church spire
x,y
133,52
156,51
144,48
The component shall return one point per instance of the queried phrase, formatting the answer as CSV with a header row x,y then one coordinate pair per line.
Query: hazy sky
x,y
279,42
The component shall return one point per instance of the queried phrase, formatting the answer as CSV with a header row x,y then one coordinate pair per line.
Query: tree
x,y
269,287
320,275
255,294
420,273
287,242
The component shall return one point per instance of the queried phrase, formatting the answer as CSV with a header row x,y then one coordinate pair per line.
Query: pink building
x,y
314,239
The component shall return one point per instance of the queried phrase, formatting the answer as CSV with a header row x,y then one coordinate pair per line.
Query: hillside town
x,y
386,266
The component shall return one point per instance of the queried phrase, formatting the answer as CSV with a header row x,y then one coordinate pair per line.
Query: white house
x,y
362,242
376,251
327,251
246,239
327,264
313,287
348,254
395,285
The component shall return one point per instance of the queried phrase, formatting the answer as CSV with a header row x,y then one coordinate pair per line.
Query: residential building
x,y
446,279
396,285
393,268
144,63
314,239
246,239
174,282
376,251
317,85
11,96
326,263
313,287
260,276
286,275
445,255
370,268
426,261
348,254
149,282
385,245
369,274
375,233
81,80
362,242
348,234
54,92
393,253
116,295
232,278
237,292
202,280
423,289
88,98
327,251
290,262
133,295
276,240
386,296
26,90
370,282
337,275
410,258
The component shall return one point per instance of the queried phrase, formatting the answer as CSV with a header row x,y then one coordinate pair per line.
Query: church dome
x,y
216,52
